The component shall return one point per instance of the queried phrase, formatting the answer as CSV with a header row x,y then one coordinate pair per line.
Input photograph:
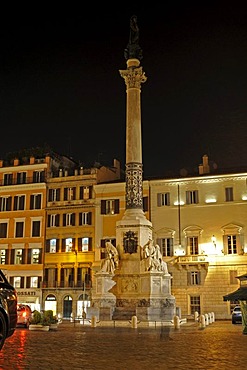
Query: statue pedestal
x,y
146,295
104,302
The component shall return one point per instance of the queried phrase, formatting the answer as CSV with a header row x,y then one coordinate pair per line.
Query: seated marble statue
x,y
111,261
153,257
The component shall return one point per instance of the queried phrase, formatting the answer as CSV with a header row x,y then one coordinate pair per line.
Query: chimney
x,y
32,160
204,167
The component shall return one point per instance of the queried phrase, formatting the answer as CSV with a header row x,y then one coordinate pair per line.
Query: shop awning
x,y
239,295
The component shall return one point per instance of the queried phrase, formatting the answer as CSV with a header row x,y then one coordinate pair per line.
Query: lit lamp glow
x,y
214,240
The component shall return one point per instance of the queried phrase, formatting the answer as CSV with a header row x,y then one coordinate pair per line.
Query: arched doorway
x,y
67,307
51,303
82,304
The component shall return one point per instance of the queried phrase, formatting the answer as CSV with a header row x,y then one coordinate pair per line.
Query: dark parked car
x,y
236,315
8,309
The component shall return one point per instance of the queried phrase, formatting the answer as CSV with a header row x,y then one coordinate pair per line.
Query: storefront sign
x,y
28,293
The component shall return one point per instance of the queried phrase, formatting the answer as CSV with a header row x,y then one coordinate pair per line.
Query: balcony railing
x,y
64,284
192,259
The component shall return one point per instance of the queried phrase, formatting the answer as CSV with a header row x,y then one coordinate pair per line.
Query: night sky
x,y
60,83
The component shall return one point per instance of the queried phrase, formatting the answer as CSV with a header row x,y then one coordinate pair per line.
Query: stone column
x,y
133,78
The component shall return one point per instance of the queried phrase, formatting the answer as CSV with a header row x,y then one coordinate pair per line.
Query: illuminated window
x,y
53,244
18,256
70,193
195,304
68,245
193,244
17,282
231,244
85,244
85,192
2,256
34,282
35,256
110,207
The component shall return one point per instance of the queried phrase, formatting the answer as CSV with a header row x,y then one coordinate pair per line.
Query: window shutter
x,y
81,192
89,218
188,278
65,197
29,254
12,257
38,202
196,197
22,282
31,202
159,200
40,255
28,282
116,206
57,220
90,244
9,200
225,244
47,246
103,207
24,254
79,242
50,195
145,204
63,245
7,257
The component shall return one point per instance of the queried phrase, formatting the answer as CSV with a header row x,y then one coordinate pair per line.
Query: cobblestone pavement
x,y
220,345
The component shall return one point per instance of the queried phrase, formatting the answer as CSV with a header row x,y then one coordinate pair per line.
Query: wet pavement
x,y
220,345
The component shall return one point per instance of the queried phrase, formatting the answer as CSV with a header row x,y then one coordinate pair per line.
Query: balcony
x,y
66,285
199,260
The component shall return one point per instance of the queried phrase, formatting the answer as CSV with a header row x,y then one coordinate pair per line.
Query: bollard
x,y
212,317
134,322
196,316
93,322
176,322
202,321
206,319
209,318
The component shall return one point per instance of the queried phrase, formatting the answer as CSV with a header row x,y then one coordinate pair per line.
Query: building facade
x,y
56,217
